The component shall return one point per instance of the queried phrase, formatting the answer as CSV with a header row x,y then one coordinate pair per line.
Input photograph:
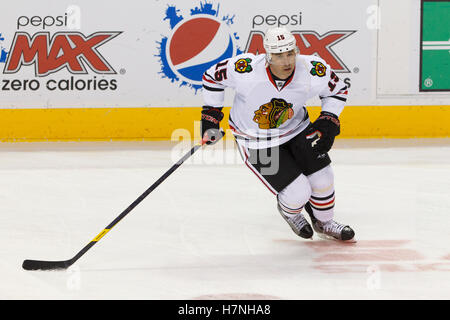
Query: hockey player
x,y
273,131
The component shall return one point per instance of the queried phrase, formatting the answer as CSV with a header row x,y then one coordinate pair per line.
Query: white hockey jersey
x,y
266,113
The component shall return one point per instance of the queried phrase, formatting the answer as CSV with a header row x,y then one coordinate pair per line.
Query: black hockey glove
x,y
328,126
211,118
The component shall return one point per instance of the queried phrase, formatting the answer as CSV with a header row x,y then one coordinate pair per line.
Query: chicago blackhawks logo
x,y
273,114
243,65
318,69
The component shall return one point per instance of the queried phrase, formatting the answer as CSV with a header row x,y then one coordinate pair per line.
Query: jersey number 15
x,y
221,73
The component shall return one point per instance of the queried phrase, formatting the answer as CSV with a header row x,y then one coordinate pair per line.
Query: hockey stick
x,y
56,265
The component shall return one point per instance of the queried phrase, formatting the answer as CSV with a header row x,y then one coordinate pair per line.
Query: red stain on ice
x,y
361,256
372,255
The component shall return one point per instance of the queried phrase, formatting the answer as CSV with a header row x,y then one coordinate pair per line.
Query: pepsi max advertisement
x,y
48,53
156,54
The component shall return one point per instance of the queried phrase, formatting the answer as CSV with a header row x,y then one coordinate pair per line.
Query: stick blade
x,y
45,265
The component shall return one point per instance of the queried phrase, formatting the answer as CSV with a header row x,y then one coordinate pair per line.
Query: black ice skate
x,y
331,229
298,223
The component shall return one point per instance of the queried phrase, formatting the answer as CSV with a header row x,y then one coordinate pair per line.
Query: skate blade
x,y
327,237
311,238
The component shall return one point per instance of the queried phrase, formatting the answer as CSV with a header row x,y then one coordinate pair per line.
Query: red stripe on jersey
x,y
269,74
289,80
204,78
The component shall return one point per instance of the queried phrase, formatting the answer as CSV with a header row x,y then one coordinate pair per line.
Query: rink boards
x,y
75,124
69,72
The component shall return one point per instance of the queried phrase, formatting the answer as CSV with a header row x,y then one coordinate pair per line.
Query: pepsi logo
x,y
194,45
198,44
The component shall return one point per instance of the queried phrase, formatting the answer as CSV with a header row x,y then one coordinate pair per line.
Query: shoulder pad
x,y
317,66
244,63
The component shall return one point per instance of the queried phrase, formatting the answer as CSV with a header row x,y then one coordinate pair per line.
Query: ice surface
x,y
212,231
